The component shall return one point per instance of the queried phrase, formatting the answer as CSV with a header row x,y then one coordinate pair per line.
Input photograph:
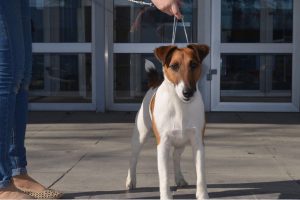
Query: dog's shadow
x,y
285,189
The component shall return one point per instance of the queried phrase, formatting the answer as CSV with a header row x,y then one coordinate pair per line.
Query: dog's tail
x,y
154,78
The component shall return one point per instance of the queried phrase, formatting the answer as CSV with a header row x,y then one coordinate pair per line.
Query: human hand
x,y
171,7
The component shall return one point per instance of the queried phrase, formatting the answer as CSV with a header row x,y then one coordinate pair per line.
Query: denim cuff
x,y
4,184
19,171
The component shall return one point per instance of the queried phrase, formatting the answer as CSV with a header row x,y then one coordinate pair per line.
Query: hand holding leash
x,y
171,7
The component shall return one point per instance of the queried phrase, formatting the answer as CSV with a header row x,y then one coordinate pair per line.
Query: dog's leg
x,y
179,179
199,159
163,151
138,139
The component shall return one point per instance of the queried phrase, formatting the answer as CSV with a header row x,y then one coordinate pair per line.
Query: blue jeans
x,y
15,75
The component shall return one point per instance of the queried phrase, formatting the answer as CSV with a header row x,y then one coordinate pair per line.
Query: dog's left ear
x,y
163,53
201,49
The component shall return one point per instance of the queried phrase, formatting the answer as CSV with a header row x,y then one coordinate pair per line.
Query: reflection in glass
x,y
130,78
66,21
61,78
138,24
256,78
266,21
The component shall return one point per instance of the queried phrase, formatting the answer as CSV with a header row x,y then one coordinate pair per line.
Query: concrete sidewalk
x,y
85,154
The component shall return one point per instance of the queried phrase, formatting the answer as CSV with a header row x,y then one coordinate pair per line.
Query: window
x,y
62,59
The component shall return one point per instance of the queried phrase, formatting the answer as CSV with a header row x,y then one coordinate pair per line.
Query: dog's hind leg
x,y
143,127
179,179
138,139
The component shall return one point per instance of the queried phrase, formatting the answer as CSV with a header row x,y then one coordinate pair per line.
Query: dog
x,y
173,110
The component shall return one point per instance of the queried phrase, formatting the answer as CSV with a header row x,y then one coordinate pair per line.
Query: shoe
x,y
46,194
22,182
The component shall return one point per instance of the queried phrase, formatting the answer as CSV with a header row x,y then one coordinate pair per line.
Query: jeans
x,y
15,75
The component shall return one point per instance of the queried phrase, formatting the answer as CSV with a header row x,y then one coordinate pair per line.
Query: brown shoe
x,y
11,192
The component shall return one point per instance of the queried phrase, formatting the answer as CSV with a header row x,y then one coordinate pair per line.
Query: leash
x,y
175,24
142,3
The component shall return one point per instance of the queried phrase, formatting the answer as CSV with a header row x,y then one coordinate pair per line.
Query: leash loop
x,y
174,30
175,24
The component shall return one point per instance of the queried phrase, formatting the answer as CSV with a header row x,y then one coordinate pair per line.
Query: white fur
x,y
179,123
149,65
179,90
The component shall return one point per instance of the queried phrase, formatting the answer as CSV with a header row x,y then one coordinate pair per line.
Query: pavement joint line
x,y
65,173
101,138
72,167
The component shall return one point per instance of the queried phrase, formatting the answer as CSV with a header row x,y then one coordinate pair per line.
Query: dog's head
x,y
183,67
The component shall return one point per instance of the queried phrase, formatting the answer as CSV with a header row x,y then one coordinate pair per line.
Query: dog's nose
x,y
188,93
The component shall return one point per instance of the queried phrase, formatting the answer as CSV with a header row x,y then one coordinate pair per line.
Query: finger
x,y
175,11
178,16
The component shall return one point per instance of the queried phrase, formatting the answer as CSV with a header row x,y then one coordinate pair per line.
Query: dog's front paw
x,y
130,183
202,195
166,197
181,182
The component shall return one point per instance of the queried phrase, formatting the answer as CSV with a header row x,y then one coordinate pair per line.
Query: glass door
x,y
254,55
62,55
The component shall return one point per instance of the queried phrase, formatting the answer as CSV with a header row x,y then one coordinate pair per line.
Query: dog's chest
x,y
178,121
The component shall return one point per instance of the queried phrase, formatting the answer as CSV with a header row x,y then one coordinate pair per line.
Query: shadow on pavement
x,y
284,189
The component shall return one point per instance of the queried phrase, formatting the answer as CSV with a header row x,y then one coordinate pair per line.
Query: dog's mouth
x,y
187,100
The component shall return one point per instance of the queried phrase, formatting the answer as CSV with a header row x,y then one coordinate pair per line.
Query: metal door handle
x,y
210,73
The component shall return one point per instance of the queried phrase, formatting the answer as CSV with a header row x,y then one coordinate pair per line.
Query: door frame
x,y
217,48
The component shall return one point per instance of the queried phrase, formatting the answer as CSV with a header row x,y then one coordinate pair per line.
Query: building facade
x,y
90,54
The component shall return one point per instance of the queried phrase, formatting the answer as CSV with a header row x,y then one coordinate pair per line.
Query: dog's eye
x,y
193,65
175,66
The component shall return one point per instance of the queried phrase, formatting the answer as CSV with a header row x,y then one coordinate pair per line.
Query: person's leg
x,y
9,22
7,94
17,151
17,148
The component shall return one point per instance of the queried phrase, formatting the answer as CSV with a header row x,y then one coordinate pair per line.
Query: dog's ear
x,y
201,49
163,53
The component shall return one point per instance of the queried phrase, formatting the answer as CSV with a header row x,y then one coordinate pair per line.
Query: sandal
x,y
46,194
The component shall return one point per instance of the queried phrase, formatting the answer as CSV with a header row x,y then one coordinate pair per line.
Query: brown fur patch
x,y
154,84
201,49
171,75
163,53
155,131
183,58
154,79
191,77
